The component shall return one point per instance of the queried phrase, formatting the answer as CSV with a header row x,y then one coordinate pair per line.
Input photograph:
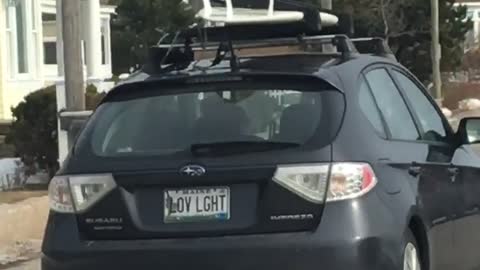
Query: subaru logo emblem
x,y
193,170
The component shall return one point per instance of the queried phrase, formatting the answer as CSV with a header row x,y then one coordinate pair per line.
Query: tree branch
x,y
384,18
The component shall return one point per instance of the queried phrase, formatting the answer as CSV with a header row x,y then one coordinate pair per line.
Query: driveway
x,y
31,265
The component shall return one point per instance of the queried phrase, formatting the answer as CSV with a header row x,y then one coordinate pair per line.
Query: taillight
x,y
307,181
60,196
350,180
75,194
344,180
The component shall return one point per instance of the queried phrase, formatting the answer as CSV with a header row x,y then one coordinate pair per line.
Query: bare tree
x,y
394,20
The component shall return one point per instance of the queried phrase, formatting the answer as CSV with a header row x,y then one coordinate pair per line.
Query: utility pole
x,y
326,4
72,55
436,51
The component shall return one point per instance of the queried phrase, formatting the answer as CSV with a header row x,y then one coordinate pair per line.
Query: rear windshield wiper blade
x,y
239,147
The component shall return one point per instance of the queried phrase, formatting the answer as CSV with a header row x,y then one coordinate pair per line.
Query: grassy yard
x,y
17,196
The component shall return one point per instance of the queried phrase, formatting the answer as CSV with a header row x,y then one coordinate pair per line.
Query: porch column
x,y
93,40
3,70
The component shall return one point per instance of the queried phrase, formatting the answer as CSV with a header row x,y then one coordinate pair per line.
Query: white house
x,y
28,51
473,12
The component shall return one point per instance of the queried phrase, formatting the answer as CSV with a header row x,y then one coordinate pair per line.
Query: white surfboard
x,y
231,15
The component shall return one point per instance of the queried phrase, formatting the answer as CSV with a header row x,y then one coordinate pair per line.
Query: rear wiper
x,y
238,147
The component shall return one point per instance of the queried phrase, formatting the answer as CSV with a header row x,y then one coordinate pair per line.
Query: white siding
x,y
473,12
14,85
3,46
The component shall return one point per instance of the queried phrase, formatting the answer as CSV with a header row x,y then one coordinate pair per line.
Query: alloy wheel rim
x,y
410,258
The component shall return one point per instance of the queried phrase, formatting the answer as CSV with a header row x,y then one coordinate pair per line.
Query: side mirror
x,y
469,130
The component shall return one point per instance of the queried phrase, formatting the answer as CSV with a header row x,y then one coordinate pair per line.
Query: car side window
x,y
392,106
370,109
430,119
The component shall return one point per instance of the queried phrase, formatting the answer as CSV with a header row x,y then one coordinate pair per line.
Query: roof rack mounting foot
x,y
344,45
374,45
234,65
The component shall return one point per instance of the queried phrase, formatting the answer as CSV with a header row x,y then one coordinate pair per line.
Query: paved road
x,y
31,265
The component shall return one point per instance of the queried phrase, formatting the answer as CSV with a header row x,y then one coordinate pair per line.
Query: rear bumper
x,y
349,237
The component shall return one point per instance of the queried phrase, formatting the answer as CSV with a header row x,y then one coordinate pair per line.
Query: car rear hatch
x,y
206,157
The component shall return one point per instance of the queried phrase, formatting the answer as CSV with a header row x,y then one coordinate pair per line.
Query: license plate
x,y
197,204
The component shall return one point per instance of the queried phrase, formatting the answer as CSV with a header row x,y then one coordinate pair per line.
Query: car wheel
x,y
411,253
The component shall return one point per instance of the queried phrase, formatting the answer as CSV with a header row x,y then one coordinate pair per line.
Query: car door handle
x,y
415,170
453,171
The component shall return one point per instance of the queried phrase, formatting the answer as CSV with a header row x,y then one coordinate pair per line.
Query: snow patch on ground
x,y
448,113
10,173
469,104
21,229
20,251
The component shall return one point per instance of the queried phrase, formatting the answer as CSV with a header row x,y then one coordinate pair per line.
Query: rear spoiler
x,y
157,83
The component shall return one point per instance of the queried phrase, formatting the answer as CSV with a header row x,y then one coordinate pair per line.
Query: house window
x,y
104,57
105,39
49,23
50,52
21,34
9,40
22,53
48,17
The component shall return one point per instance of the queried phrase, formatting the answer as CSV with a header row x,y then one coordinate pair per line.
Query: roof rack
x,y
231,30
178,56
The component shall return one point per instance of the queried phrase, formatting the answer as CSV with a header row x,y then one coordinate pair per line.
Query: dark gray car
x,y
303,160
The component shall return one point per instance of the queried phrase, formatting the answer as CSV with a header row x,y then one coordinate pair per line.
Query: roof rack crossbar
x,y
342,42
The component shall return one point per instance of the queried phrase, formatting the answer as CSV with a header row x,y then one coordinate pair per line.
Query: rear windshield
x,y
164,122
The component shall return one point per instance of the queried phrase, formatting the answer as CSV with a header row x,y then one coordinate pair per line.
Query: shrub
x,y
92,97
33,132
34,129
